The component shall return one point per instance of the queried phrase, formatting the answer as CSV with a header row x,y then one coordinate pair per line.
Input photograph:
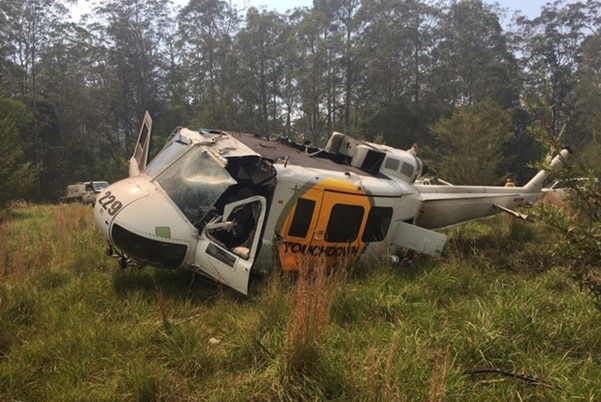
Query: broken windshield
x,y
194,182
171,151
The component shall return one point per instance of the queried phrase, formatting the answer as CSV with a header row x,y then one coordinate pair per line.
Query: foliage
x,y
16,175
575,214
471,142
385,69
590,160
395,125
556,56
587,93
577,219
479,66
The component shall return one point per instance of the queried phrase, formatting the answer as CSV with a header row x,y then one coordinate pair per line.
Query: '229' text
x,y
110,203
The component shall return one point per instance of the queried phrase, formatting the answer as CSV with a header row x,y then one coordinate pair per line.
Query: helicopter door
x,y
339,228
324,225
139,159
228,245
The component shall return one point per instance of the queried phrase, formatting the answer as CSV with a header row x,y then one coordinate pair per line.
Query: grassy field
x,y
494,319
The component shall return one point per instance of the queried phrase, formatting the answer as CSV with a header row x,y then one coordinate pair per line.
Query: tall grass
x,y
478,324
308,321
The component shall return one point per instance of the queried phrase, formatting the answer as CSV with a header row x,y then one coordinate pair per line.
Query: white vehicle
x,y
228,204
84,192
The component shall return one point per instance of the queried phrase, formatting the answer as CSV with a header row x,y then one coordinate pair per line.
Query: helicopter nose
x,y
113,199
142,222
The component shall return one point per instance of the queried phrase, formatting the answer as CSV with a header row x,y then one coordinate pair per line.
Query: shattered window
x,y
168,154
194,182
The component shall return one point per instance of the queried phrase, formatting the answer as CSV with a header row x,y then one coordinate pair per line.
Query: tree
x,y
132,34
316,37
206,28
394,123
16,175
260,47
576,219
588,91
395,47
471,61
549,46
29,30
470,144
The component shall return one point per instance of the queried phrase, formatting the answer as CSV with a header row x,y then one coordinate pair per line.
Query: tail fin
x,y
139,159
537,182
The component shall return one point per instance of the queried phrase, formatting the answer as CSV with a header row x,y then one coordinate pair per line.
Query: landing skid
x,y
124,260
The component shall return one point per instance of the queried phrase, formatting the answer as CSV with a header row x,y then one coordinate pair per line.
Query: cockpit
x,y
200,182
194,181
200,203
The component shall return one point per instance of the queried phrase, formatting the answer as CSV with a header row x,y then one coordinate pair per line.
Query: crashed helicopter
x,y
227,204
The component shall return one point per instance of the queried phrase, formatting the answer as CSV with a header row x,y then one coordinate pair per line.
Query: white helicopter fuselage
x,y
230,204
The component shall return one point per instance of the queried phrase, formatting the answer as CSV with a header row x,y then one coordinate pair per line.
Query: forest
x,y
475,87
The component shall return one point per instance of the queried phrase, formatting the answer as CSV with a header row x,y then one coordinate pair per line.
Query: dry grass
x,y
43,238
439,377
308,322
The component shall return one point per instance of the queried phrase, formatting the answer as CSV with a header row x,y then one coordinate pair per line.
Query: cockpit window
x,y
171,151
194,182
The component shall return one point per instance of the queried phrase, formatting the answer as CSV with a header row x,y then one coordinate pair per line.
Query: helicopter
x,y
229,205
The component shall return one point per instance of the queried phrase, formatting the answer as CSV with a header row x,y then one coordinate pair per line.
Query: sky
x,y
530,8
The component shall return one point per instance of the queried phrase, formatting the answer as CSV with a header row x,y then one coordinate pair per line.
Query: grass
x,y
494,319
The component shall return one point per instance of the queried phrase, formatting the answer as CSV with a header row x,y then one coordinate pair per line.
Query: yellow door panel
x,y
324,224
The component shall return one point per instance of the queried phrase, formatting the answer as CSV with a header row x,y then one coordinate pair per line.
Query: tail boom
x,y
444,206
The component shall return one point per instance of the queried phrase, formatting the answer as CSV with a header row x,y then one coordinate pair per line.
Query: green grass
x,y
74,326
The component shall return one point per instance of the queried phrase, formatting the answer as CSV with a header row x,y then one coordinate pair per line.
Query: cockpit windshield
x,y
194,181
171,151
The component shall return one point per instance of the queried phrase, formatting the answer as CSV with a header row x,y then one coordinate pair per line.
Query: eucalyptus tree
x,y
395,47
27,28
348,18
549,47
472,62
588,89
395,50
260,46
293,59
16,173
82,146
30,29
206,29
587,92
319,81
132,33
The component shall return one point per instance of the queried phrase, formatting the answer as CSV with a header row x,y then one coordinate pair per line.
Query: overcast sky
x,y
531,8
